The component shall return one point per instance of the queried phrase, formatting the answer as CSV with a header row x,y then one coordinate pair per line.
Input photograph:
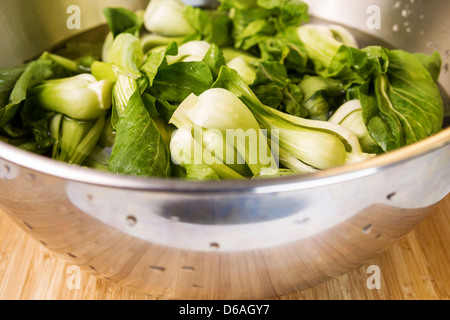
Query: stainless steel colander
x,y
227,240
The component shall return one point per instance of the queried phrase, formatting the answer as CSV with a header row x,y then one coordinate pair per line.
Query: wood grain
x,y
417,267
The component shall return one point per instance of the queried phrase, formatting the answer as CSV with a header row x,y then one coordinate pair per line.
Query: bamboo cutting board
x,y
417,267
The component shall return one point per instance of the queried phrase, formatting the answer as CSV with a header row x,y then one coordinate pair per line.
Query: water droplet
x,y
395,28
408,30
397,4
422,32
406,13
421,17
406,23
412,1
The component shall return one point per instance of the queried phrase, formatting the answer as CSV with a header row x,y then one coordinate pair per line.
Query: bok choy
x,y
248,90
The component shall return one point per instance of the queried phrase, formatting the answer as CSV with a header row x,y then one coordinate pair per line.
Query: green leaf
x,y
249,24
351,62
150,104
274,89
139,149
8,78
35,72
270,83
199,172
288,13
76,139
254,33
37,122
152,64
209,25
176,82
166,109
321,95
402,106
121,20
156,59
214,59
252,22
237,4
433,63
292,101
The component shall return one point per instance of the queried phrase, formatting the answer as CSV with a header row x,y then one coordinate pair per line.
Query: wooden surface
x,y
418,267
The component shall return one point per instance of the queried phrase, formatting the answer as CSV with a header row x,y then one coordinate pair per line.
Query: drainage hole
x,y
131,221
187,268
157,268
367,229
28,225
391,195
214,245
72,255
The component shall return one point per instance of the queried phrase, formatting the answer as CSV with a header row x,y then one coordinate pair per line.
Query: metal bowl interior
x,y
229,239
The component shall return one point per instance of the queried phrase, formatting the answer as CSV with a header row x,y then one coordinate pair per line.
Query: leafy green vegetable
x,y
199,172
35,121
9,78
75,139
121,20
214,59
103,71
153,41
228,122
402,106
80,97
433,63
259,20
286,48
349,115
138,147
198,91
171,84
187,153
317,143
270,83
190,51
321,95
273,88
245,70
287,13
166,17
175,82
212,26
83,53
36,72
98,159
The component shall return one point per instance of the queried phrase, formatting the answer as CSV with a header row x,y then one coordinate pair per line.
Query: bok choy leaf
x,y
404,105
138,148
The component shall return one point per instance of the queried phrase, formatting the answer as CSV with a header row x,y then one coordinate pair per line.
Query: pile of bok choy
x,y
247,90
